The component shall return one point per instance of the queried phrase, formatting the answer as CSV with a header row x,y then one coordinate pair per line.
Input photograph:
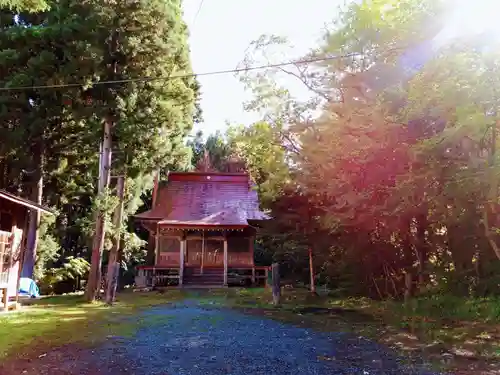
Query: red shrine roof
x,y
205,199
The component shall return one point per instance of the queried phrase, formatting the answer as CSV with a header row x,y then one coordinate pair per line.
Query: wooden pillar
x,y
276,283
17,252
157,255
182,250
311,272
225,260
22,254
251,242
202,251
157,244
5,298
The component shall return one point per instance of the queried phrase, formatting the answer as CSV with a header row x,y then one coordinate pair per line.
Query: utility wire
x,y
216,72
197,12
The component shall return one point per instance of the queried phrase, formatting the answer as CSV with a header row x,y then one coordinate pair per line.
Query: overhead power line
x,y
198,12
212,73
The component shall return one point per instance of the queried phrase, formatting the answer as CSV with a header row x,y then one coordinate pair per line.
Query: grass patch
x,y
59,320
428,326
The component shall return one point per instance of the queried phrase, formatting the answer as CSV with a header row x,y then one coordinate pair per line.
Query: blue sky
x,y
222,31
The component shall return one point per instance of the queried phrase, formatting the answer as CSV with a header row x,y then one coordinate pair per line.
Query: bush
x,y
65,278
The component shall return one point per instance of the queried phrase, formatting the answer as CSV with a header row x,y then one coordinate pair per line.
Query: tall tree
x,y
63,125
393,146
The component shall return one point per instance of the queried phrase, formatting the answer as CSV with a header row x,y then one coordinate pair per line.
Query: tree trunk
x,y
490,206
94,280
113,264
422,248
311,272
276,286
34,217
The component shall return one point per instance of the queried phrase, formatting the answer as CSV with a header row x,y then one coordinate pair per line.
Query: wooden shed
x,y
14,217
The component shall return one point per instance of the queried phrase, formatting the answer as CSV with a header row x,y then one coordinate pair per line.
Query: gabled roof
x,y
205,199
24,202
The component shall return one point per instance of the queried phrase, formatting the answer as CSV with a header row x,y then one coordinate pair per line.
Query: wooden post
x,y
202,251
251,242
225,260
113,264
153,273
311,271
181,259
22,255
94,280
5,298
276,284
408,287
157,244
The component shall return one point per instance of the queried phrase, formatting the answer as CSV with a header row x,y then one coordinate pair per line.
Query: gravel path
x,y
189,339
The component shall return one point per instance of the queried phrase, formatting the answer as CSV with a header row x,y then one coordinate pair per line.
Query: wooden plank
x,y
210,238
160,268
225,262
181,260
311,272
5,298
276,283
157,250
166,276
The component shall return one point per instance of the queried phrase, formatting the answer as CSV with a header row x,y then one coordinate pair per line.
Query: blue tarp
x,y
28,287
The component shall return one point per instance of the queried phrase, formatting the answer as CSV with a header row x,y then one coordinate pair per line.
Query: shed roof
x,y
24,202
205,199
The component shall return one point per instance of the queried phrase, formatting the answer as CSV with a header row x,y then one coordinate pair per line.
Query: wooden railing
x,y
5,257
216,259
210,259
240,259
148,276
155,276
169,259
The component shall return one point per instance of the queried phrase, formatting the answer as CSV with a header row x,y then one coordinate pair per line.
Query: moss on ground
x,y
62,320
424,328
427,327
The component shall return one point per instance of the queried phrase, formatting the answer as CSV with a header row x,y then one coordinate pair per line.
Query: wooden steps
x,y
211,277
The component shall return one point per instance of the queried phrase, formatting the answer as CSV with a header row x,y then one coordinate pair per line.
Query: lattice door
x,y
5,256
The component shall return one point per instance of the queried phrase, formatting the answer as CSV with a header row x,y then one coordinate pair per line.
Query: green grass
x,y
60,320
427,326
449,323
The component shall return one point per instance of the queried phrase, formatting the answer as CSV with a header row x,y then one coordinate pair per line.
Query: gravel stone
x,y
188,339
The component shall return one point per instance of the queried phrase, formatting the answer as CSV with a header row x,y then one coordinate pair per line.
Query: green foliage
x,y
62,127
259,146
61,320
24,5
216,146
392,163
48,249
71,270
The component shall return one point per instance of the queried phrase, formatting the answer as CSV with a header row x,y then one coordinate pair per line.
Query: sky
x,y
222,30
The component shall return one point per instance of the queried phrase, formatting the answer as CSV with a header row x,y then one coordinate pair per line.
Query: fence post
x,y
276,283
